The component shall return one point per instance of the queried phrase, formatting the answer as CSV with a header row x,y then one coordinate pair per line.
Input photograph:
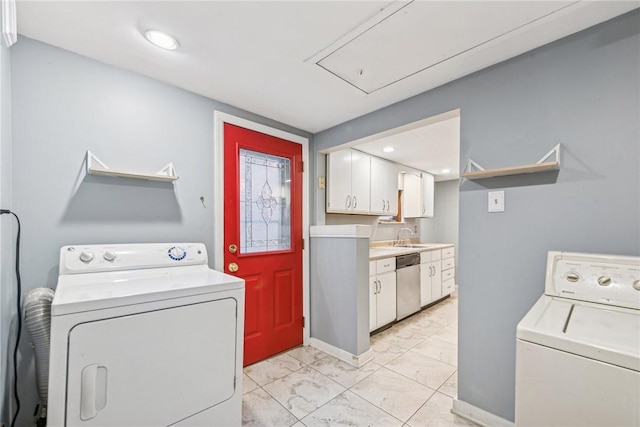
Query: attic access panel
x,y
423,34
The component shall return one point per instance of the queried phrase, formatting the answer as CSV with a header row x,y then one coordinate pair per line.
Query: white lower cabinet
x,y
382,292
448,270
430,277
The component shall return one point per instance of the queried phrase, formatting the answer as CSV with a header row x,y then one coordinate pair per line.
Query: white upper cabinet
x,y
348,185
412,196
339,182
384,187
360,182
417,197
427,195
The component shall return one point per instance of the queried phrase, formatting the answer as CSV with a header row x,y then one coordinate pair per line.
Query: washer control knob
x,y
86,257
109,256
573,277
604,281
636,285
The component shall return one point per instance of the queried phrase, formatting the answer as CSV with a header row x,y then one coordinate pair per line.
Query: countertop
x,y
380,252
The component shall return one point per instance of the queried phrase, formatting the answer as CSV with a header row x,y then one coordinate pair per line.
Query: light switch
x,y
496,201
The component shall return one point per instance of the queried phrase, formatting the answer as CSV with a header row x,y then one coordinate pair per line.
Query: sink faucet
x,y
404,241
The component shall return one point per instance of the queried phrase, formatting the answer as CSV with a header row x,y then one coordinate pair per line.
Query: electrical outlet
x,y
321,183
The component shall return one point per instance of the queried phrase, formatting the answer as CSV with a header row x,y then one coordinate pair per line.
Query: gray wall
x,y
65,104
443,227
7,282
582,91
339,290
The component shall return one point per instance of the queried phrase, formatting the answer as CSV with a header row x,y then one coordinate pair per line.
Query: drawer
x,y
372,268
384,265
436,255
448,252
448,263
448,274
425,257
448,286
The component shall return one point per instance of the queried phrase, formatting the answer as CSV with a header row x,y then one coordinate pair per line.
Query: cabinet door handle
x,y
348,201
424,209
379,286
355,202
388,204
383,206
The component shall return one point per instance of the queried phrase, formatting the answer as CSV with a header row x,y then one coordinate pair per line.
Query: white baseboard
x,y
341,354
479,416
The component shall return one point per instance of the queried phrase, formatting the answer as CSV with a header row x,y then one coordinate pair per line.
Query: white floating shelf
x,y
97,167
540,166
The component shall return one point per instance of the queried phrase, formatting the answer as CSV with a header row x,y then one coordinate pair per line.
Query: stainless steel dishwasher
x,y
407,284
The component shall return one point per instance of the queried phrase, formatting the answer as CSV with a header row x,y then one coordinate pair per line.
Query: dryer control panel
x,y
605,279
96,258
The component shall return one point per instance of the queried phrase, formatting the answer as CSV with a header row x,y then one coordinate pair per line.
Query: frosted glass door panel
x,y
265,202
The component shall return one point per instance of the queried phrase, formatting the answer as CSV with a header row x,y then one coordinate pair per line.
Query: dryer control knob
x,y
604,281
176,253
636,285
86,256
109,256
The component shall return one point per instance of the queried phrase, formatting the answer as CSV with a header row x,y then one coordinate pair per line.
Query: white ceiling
x,y
316,64
262,56
430,145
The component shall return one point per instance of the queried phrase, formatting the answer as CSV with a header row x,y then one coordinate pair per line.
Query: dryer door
x,y
154,368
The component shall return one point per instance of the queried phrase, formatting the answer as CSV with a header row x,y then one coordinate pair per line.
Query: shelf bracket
x,y
555,150
471,166
167,170
92,159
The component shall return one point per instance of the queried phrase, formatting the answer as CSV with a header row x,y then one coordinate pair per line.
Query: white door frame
x,y
219,119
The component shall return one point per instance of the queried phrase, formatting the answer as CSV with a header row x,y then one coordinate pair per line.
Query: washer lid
x,y
95,291
596,331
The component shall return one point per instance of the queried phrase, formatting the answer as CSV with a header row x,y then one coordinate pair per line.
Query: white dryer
x,y
578,348
145,335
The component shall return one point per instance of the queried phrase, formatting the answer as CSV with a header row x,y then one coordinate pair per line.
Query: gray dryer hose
x,y
37,316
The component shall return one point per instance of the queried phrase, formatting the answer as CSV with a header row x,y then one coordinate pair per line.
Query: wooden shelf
x,y
122,174
515,170
96,167
541,166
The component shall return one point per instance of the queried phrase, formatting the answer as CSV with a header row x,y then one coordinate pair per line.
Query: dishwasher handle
x,y
407,260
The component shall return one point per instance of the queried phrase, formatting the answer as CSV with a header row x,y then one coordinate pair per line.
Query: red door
x,y
263,236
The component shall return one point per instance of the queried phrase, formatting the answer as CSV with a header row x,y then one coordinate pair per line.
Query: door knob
x,y
233,267
233,248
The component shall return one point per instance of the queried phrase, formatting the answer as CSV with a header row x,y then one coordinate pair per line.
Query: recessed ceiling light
x,y
446,170
387,149
160,39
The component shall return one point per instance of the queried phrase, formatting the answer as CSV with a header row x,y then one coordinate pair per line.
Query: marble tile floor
x,y
411,381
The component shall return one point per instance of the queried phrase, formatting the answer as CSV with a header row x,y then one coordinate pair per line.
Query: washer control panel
x,y
605,279
96,258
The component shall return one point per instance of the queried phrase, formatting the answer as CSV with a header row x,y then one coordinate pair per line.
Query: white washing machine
x,y
145,335
578,348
